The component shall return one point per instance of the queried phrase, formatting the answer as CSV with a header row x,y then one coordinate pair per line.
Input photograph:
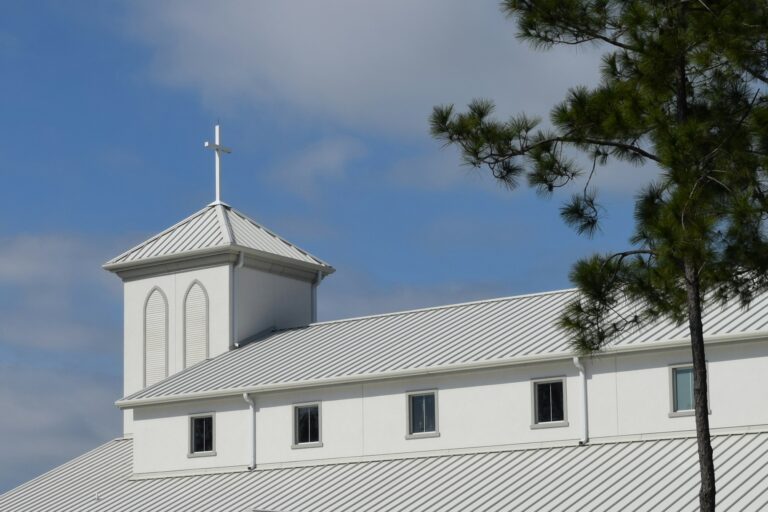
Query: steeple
x,y
206,284
217,229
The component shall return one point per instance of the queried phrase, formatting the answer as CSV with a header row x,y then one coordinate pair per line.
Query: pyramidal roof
x,y
216,227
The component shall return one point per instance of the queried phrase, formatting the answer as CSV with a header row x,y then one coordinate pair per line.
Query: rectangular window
x,y
682,388
422,413
201,434
306,424
549,401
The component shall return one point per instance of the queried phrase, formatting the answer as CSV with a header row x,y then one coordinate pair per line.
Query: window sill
x,y
683,414
301,446
200,454
422,435
549,424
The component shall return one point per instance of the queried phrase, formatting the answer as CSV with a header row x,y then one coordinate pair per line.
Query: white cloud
x,y
44,425
624,179
55,295
29,259
435,170
374,67
320,163
441,169
369,65
354,294
60,336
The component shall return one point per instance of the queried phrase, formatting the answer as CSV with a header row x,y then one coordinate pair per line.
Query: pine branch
x,y
620,145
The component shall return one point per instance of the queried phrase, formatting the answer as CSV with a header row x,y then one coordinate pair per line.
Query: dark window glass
x,y
202,434
683,382
307,424
422,413
549,402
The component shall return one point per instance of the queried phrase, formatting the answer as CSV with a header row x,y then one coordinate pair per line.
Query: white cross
x,y
219,149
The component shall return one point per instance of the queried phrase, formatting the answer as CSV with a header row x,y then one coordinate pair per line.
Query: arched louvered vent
x,y
155,338
195,325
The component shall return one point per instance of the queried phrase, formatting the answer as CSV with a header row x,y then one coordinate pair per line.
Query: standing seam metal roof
x,y
216,225
641,475
487,331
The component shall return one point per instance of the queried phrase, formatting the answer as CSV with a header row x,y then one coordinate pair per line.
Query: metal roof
x,y
215,226
641,475
462,336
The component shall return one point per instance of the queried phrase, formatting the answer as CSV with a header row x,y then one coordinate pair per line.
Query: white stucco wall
x,y
162,444
484,408
630,394
266,300
263,300
215,280
341,424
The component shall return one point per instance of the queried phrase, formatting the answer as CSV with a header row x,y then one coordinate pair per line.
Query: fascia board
x,y
148,264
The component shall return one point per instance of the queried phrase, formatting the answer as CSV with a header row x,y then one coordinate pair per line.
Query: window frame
x,y
421,435
671,378
673,412
190,435
535,424
295,421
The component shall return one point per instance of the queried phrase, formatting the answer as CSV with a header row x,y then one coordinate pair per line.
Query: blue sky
x,y
104,108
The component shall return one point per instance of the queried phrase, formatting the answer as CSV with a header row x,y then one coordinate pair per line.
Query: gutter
x,y
584,409
235,337
128,403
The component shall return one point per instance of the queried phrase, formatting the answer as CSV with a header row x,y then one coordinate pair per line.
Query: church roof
x,y
217,226
498,332
659,474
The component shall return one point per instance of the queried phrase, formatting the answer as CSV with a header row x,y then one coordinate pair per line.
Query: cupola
x,y
207,284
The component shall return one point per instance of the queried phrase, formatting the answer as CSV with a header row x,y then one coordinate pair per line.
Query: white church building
x,y
237,399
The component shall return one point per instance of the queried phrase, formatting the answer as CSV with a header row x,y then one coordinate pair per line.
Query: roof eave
x,y
127,403
124,266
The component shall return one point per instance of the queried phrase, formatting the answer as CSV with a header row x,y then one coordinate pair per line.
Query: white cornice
x,y
192,259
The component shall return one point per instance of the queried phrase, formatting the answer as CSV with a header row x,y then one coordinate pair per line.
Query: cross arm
x,y
216,147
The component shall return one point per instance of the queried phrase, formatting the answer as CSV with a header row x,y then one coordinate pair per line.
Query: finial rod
x,y
219,149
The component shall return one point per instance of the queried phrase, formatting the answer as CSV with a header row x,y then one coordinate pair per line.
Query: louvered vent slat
x,y
155,338
195,326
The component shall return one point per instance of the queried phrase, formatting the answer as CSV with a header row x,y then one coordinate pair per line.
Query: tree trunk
x,y
700,393
701,403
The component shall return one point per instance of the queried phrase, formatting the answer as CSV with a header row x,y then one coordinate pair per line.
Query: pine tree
x,y
682,85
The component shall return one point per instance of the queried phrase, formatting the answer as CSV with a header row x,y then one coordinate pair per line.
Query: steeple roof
x,y
217,228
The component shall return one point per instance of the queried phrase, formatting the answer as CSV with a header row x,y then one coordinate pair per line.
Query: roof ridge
x,y
441,307
224,224
158,235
